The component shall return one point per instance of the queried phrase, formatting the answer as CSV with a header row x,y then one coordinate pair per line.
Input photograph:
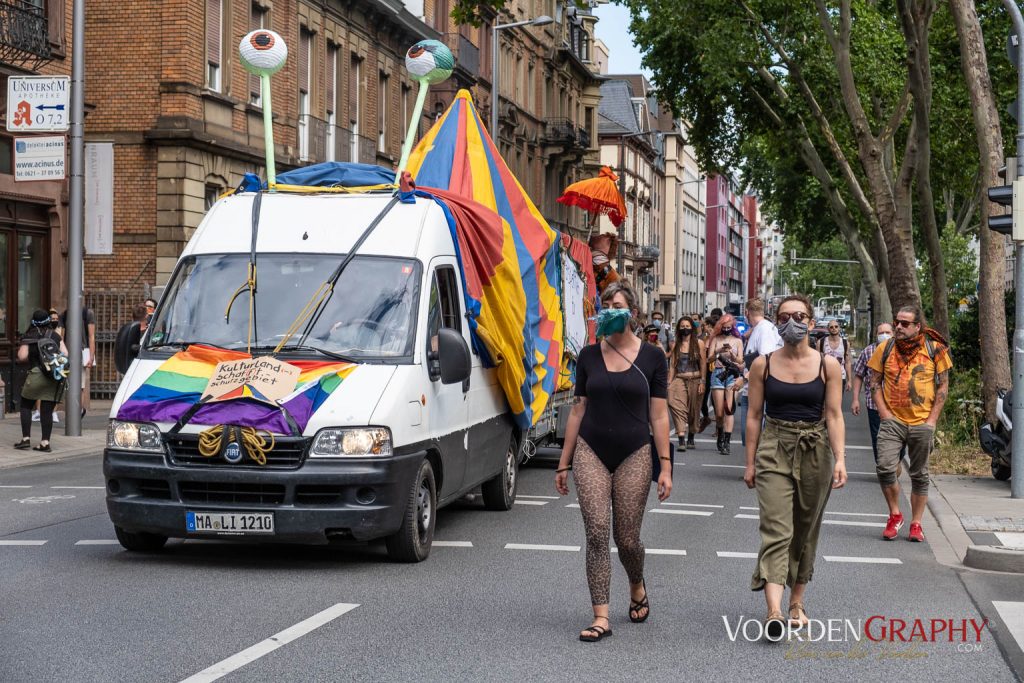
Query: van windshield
x,y
369,316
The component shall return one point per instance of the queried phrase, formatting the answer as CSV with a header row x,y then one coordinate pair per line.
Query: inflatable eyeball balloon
x,y
429,61
263,52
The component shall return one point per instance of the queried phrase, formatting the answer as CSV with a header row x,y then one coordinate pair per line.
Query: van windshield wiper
x,y
308,347
183,344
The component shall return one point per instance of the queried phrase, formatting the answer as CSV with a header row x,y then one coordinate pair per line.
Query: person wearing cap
x,y
652,335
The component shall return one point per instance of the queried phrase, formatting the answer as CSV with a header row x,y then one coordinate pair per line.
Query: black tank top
x,y
794,402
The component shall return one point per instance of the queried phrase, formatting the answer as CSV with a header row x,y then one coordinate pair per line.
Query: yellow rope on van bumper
x,y
254,441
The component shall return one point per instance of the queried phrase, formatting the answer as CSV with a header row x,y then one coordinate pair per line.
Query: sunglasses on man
x,y
904,323
798,316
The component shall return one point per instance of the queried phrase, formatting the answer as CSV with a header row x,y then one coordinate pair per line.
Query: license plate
x,y
229,523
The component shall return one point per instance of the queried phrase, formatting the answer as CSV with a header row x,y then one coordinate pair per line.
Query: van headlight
x,y
134,436
344,443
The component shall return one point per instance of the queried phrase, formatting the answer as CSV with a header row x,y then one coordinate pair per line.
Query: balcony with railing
x,y
564,132
24,34
467,55
641,253
322,138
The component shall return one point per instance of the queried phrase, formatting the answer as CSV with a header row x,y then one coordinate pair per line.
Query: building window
x,y
332,101
406,104
305,47
355,74
211,193
257,20
382,113
214,29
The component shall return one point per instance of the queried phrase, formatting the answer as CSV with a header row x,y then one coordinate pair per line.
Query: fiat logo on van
x,y
233,453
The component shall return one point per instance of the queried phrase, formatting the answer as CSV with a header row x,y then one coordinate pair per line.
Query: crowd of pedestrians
x,y
789,394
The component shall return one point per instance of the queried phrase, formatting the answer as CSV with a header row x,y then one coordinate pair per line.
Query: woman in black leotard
x,y
621,390
800,392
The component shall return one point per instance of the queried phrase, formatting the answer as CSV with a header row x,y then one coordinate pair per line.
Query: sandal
x,y
636,605
24,444
43,449
598,632
800,621
774,626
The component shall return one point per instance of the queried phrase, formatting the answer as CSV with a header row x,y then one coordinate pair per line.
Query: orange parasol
x,y
597,195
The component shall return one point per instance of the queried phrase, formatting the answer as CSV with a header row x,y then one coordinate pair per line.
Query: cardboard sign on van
x,y
263,379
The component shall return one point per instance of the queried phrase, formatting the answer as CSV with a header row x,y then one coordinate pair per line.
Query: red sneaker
x,y
916,534
892,527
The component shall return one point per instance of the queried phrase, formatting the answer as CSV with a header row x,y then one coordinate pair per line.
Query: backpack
x,y
52,362
929,346
846,347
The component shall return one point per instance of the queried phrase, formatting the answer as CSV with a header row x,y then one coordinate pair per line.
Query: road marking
x,y
573,505
532,546
741,467
742,516
748,508
697,513
531,502
658,551
870,474
251,654
742,556
453,544
856,514
100,488
1013,614
22,542
12,486
847,522
523,495
98,541
863,560
1011,539
694,505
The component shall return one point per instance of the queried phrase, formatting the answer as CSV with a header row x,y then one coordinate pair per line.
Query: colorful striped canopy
x,y
511,270
179,382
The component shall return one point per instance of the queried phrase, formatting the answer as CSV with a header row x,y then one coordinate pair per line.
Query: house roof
x,y
616,113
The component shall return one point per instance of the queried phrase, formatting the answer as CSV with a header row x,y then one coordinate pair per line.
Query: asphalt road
x,y
74,606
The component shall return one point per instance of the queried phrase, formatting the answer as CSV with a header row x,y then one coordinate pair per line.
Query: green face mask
x,y
611,321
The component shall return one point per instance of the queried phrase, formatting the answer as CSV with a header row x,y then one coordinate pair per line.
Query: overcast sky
x,y
612,29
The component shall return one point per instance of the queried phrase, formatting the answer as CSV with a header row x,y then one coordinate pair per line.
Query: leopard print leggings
x,y
599,492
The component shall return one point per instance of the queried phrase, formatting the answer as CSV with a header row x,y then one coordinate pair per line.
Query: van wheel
x,y
411,543
139,541
499,493
1000,472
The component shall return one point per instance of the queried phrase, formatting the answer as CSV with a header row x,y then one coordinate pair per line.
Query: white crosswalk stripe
x,y
1012,613
863,560
696,513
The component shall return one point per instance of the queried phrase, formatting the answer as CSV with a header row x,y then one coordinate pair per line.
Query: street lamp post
x,y
495,53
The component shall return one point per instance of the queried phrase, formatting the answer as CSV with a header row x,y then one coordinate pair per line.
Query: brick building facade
x,y
35,39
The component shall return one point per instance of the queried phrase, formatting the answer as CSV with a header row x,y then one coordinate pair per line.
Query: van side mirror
x,y
126,346
453,356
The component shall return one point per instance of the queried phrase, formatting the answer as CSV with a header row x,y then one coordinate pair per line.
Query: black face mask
x,y
685,332
726,330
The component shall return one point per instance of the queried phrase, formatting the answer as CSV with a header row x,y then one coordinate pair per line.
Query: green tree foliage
x,y
961,272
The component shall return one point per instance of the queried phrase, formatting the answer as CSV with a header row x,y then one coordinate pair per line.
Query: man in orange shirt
x,y
909,383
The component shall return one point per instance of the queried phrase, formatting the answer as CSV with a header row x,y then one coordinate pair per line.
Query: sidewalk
x,y
93,439
983,524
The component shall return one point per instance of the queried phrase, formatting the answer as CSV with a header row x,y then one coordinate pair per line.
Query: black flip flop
x,y
601,632
637,605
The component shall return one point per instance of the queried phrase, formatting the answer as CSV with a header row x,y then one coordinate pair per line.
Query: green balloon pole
x,y
263,53
428,62
410,136
268,130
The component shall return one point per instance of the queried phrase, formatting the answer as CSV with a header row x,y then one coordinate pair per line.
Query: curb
x,y
958,542
995,558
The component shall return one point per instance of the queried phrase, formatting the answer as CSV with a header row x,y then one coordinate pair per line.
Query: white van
x,y
418,423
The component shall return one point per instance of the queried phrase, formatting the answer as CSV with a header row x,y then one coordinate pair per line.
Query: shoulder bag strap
x,y
633,365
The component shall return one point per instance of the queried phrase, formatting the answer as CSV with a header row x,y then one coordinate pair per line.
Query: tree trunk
x,y
995,353
916,23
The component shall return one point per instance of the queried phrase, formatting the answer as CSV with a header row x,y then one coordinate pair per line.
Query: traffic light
x,y
1011,195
